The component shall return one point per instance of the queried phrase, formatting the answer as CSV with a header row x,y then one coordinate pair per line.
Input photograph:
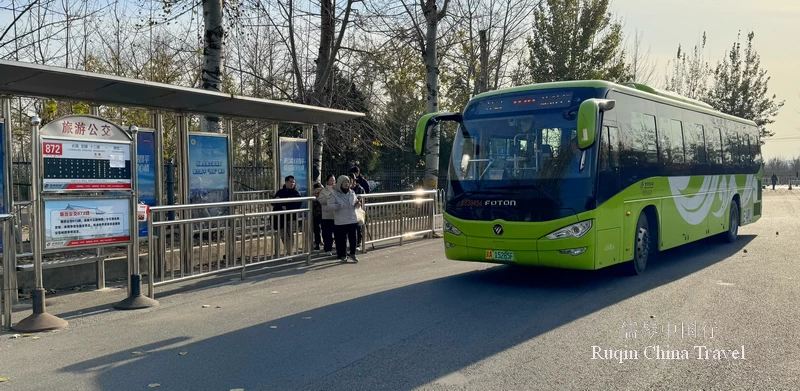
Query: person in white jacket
x,y
344,203
327,213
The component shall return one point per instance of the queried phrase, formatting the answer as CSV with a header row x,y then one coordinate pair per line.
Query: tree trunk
x,y
483,79
212,58
432,18
321,92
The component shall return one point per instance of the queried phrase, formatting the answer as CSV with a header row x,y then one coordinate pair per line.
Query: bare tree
x,y
642,67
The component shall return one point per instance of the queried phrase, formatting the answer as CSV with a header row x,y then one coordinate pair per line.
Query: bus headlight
x,y
576,230
451,228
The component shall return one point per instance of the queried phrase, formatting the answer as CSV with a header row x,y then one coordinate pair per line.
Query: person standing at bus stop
x,y
286,223
328,225
344,204
774,181
355,172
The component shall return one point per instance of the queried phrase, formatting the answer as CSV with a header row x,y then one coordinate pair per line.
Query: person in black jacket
x,y
355,172
286,223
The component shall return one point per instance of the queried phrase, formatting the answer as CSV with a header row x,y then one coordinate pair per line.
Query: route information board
x,y
85,165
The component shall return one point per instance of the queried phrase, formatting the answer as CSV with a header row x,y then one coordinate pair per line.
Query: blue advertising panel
x,y
208,170
294,161
146,172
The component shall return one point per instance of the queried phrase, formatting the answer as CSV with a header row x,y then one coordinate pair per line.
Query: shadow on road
x,y
402,338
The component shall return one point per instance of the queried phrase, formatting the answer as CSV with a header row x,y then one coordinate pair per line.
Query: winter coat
x,y
363,183
286,193
324,196
343,205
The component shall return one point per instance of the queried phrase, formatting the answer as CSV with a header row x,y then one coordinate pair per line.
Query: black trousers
x,y
327,234
317,231
344,233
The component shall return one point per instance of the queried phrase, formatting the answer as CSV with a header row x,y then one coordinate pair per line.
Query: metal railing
x,y
229,236
398,215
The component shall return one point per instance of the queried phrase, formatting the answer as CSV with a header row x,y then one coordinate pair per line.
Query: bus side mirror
x,y
426,122
589,119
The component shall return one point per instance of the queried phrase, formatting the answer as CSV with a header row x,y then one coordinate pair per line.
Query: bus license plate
x,y
499,255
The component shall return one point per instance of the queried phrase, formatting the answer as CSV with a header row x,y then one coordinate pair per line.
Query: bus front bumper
x,y
574,253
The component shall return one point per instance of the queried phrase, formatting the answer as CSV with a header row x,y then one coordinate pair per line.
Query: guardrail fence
x,y
398,215
217,237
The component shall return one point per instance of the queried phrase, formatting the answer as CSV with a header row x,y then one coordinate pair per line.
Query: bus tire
x,y
733,223
641,246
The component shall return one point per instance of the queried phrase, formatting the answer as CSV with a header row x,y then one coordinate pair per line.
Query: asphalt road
x,y
406,318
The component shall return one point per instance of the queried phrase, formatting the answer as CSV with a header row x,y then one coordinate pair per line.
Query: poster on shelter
x,y
294,161
86,222
208,171
146,172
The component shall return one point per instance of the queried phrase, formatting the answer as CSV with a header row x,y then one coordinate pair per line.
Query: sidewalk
x,y
266,332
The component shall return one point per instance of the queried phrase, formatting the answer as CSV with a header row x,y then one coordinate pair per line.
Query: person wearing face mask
x,y
286,223
344,203
327,214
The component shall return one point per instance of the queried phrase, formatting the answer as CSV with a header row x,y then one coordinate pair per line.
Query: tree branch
x,y
17,18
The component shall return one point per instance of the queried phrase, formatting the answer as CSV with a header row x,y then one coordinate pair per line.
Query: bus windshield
x,y
526,158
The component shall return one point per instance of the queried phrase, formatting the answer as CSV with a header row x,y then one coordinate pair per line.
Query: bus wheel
x,y
733,221
641,246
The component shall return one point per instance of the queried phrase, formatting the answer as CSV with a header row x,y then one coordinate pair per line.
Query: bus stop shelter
x,y
40,81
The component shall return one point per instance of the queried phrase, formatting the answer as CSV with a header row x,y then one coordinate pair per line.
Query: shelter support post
x,y
157,122
230,225
10,274
135,298
276,152
8,260
309,228
185,231
39,320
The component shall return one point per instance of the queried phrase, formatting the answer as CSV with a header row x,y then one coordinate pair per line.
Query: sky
x,y
667,23
776,23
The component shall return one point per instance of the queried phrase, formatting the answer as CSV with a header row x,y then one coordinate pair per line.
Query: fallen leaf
x,y
219,307
27,335
182,353
3,379
154,385
745,251
652,316
273,327
206,306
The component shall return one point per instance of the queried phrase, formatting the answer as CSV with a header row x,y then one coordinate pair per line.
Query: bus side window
x,y
609,148
604,149
724,149
613,146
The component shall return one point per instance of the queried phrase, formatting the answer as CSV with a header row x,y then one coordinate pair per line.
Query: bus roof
x,y
639,90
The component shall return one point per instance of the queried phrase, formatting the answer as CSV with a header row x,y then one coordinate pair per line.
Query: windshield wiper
x,y
535,187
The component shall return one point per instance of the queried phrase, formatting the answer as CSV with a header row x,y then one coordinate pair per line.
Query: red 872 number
x,y
51,148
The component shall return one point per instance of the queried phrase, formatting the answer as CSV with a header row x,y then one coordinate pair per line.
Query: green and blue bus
x,y
589,174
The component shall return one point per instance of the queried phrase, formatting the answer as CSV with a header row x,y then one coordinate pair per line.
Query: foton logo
x,y
479,203
500,203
